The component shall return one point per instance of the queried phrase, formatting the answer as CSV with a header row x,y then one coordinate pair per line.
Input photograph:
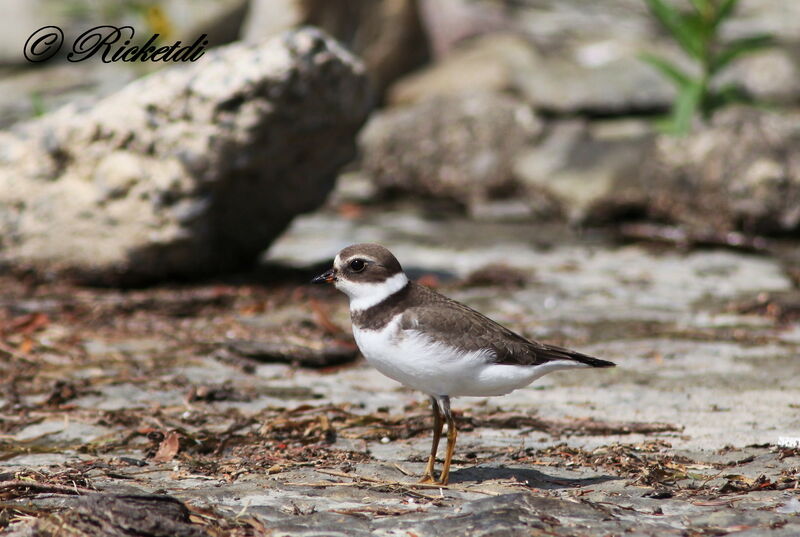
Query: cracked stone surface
x,y
272,447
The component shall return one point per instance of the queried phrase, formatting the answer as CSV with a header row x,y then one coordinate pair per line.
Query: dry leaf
x,y
168,447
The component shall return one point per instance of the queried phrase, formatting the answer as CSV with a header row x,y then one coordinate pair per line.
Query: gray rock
x,y
506,514
585,57
491,63
31,92
603,77
772,75
585,165
448,22
741,172
574,170
119,515
266,18
387,34
683,359
190,170
458,149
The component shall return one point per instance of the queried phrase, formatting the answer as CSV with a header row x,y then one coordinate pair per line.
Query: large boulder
x,y
386,34
739,173
190,170
591,169
459,149
490,63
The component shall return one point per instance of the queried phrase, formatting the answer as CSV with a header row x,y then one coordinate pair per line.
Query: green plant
x,y
38,108
696,30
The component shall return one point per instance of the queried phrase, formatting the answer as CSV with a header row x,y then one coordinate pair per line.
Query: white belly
x,y
437,369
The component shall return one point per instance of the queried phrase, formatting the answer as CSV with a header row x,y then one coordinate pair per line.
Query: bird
x,y
431,343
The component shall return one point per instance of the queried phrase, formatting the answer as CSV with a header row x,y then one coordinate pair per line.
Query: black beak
x,y
325,277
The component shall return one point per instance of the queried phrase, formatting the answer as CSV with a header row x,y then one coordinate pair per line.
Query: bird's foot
x,y
427,479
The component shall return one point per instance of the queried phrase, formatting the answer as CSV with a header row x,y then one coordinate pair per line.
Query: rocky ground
x,y
244,398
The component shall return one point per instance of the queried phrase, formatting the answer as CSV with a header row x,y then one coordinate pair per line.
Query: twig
x,y
574,427
377,511
337,473
14,354
43,487
405,485
680,237
370,482
318,484
712,477
23,509
402,470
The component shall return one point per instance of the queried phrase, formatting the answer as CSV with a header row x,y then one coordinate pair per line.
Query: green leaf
x,y
740,47
696,30
37,104
699,27
685,108
724,11
664,125
726,95
676,23
668,69
703,7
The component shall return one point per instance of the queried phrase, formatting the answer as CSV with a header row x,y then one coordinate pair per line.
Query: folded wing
x,y
477,332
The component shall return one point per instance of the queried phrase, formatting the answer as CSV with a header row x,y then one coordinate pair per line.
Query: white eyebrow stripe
x,y
358,256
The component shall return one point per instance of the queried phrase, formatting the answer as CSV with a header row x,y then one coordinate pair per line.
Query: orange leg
x,y
438,424
452,434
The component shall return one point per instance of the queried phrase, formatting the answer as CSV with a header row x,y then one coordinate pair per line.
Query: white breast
x,y
413,359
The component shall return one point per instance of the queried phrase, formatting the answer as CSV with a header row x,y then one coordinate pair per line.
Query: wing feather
x,y
441,317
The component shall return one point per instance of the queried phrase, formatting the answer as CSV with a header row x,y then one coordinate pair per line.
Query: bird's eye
x,y
357,265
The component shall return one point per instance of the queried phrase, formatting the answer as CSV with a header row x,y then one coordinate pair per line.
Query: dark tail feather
x,y
560,353
591,360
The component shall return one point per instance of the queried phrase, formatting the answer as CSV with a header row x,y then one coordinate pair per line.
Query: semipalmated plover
x,y
431,343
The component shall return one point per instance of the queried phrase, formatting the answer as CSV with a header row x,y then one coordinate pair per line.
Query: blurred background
x,y
673,121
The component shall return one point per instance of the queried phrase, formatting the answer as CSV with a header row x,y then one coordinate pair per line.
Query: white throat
x,y
366,295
